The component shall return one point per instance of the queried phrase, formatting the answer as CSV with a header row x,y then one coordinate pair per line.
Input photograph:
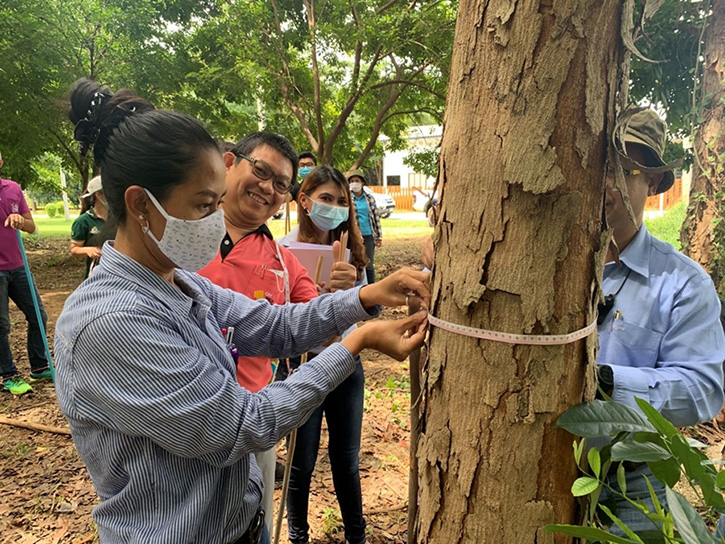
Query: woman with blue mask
x,y
325,212
158,417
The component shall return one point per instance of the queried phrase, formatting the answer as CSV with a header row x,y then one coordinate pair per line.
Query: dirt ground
x,y
47,497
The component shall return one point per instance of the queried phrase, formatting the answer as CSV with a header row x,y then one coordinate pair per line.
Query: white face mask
x,y
190,245
356,186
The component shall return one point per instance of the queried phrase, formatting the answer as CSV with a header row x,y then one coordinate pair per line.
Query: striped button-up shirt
x,y
148,386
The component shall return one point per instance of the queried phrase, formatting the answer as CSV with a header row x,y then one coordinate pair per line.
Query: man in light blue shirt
x,y
661,338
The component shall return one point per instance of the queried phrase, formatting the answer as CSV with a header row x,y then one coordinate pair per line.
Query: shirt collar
x,y
117,263
227,245
90,211
636,254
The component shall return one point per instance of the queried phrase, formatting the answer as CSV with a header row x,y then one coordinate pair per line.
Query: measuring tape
x,y
508,338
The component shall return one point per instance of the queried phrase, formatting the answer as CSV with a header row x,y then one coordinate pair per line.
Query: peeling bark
x,y
532,96
703,233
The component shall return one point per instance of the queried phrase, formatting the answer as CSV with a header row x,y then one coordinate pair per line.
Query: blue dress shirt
x,y
148,387
663,337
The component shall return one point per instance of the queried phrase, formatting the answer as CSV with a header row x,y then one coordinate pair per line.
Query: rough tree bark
x,y
703,233
532,96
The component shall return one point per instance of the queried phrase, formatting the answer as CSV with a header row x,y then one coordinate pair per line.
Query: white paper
x,y
308,254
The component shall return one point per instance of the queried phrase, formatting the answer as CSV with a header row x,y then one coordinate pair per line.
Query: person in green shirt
x,y
87,233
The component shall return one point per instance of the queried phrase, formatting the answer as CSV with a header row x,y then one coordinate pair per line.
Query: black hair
x,y
134,143
226,146
307,155
276,141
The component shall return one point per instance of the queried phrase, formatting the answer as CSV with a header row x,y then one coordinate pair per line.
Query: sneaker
x,y
17,386
41,376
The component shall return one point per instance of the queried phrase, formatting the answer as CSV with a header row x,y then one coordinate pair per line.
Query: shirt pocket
x,y
632,345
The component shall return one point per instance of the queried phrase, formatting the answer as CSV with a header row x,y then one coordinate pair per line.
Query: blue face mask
x,y
305,170
326,216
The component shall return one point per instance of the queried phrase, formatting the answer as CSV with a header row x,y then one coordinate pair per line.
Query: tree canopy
x,y
331,75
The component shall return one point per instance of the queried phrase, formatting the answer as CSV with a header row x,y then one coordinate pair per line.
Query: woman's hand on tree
x,y
397,339
398,289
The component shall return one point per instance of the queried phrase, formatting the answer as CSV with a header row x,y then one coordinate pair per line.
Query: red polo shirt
x,y
252,266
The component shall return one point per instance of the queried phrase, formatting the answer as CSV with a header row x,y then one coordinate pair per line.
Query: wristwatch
x,y
605,379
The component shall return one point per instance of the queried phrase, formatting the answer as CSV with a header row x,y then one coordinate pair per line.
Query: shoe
x,y
17,386
43,375
278,473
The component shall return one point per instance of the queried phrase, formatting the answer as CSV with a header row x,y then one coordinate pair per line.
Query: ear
x,y
653,182
303,200
229,159
137,203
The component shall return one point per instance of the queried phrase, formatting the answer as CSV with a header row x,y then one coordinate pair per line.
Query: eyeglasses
x,y
264,172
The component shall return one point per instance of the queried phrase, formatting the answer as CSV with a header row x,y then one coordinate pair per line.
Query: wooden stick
x,y
318,270
343,245
287,221
35,426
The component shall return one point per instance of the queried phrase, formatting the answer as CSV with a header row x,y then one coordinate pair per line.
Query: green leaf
x,y
629,450
688,522
619,523
590,533
578,449
657,419
622,479
720,479
667,471
601,418
711,496
594,461
691,459
584,485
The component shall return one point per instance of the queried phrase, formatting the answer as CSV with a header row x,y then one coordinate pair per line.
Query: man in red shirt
x,y
260,170
15,215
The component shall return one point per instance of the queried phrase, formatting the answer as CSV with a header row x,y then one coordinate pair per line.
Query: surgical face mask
x,y
356,186
326,216
305,170
190,245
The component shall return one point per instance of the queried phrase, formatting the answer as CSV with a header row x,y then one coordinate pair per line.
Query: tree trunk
x,y
703,233
532,96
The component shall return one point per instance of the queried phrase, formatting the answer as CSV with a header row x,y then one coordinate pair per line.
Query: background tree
x,y
45,45
703,233
531,98
342,71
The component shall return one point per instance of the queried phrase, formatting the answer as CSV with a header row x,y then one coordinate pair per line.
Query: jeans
x,y
636,489
369,242
14,286
343,409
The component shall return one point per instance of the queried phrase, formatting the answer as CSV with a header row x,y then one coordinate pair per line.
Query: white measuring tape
x,y
528,339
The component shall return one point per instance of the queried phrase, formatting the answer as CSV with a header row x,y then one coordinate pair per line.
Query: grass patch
x,y
52,227
667,226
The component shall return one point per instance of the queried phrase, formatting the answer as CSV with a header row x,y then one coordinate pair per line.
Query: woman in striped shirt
x,y
157,415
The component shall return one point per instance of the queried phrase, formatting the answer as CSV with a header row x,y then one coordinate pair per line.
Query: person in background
x,y
87,232
367,220
15,285
660,337
259,170
160,421
326,212
307,162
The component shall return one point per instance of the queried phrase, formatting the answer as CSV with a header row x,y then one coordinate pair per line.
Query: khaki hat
x,y
94,186
357,174
648,129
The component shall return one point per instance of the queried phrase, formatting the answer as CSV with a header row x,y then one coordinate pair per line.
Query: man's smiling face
x,y
250,201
